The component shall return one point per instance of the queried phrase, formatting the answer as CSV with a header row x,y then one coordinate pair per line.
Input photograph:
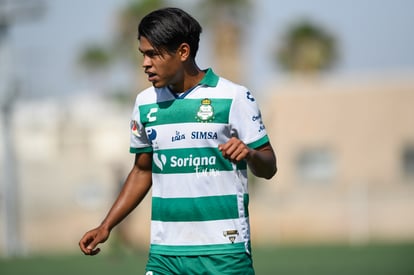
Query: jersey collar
x,y
210,79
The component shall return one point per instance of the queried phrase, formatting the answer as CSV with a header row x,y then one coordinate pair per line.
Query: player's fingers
x,y
229,150
240,154
91,246
83,243
83,249
234,150
225,146
94,252
90,249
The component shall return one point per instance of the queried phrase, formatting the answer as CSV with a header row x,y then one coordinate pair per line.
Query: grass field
x,y
396,259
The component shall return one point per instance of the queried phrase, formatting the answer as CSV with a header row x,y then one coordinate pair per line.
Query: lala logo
x,y
178,136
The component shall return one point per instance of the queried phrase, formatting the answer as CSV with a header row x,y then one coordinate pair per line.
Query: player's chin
x,y
158,84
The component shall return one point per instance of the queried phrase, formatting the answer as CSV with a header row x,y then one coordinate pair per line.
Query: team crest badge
x,y
231,234
206,111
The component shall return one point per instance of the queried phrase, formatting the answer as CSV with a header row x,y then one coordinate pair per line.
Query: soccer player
x,y
193,134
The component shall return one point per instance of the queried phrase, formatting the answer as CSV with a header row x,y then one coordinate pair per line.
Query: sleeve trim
x,y
259,142
133,150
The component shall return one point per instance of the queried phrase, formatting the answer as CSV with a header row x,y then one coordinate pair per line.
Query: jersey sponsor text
x,y
203,135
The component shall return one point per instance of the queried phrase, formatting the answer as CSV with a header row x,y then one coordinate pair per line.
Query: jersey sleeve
x,y
246,120
139,142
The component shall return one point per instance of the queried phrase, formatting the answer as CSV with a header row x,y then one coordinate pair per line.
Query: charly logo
x,y
159,160
151,117
205,111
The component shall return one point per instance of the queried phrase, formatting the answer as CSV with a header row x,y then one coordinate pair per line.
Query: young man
x,y
193,135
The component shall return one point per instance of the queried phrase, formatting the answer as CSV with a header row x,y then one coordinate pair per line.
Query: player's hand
x,y
234,150
91,239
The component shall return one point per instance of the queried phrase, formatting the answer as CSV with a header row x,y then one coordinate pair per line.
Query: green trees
x,y
126,43
96,59
306,49
225,19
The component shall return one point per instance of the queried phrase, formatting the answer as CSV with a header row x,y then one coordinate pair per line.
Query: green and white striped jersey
x,y
199,199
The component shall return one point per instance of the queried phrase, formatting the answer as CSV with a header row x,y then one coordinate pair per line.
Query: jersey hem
x,y
196,250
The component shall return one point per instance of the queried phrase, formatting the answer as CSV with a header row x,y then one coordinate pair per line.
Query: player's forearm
x,y
133,192
262,162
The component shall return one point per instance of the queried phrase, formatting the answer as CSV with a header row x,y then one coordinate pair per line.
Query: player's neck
x,y
192,75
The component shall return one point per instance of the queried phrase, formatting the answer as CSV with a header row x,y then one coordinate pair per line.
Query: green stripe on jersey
x,y
196,250
183,111
194,209
190,160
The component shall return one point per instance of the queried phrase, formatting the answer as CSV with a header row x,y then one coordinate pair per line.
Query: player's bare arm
x,y
261,161
133,192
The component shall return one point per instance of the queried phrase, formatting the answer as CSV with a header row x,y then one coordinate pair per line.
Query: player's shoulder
x,y
226,83
151,95
232,88
145,94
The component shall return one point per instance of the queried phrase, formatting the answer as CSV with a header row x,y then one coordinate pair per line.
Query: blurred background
x,y
334,80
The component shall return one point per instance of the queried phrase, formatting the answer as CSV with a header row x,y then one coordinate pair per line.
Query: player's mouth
x,y
151,77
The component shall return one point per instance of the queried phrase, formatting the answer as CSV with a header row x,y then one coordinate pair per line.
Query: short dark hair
x,y
167,28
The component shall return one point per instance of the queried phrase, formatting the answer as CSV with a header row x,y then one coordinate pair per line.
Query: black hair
x,y
167,28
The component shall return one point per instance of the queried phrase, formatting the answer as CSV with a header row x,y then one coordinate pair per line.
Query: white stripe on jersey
x,y
204,183
200,233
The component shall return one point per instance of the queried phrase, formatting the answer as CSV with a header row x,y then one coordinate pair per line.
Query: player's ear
x,y
184,51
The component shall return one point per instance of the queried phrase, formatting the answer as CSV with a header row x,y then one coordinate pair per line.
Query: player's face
x,y
162,68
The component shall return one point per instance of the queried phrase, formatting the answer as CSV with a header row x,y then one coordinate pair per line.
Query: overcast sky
x,y
374,36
